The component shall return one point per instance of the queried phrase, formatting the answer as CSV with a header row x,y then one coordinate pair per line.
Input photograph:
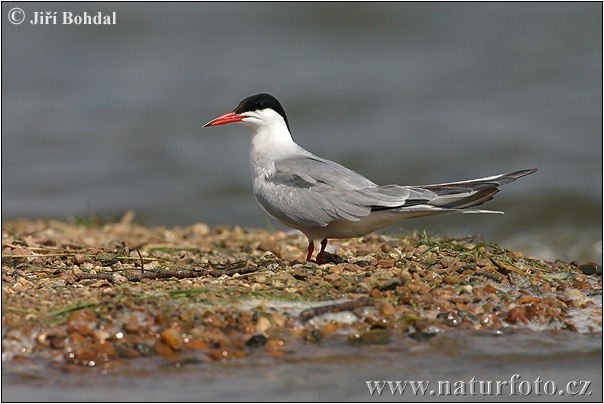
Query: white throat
x,y
270,140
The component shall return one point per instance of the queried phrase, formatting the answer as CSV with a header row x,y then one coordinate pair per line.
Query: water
x,y
98,120
331,373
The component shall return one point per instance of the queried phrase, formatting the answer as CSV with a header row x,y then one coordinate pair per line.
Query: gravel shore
x,y
100,295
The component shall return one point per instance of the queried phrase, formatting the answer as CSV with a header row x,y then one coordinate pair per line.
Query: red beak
x,y
224,119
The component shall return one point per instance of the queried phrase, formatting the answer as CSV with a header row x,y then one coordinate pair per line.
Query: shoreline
x,y
102,295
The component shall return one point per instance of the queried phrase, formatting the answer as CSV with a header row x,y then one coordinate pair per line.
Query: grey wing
x,y
310,191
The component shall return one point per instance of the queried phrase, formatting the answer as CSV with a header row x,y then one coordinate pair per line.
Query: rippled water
x,y
336,373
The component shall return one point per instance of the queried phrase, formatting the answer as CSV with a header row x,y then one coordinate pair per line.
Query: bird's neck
x,y
268,145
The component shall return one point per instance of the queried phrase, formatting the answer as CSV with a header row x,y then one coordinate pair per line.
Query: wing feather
x,y
309,191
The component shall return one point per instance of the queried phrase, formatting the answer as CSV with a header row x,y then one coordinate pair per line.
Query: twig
x,y
163,274
169,273
86,275
142,261
217,273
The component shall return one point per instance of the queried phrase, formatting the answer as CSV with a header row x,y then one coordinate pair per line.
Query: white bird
x,y
325,200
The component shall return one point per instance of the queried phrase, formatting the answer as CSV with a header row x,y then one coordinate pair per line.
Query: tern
x,y
324,199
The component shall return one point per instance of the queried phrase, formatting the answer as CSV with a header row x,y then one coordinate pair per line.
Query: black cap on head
x,y
259,102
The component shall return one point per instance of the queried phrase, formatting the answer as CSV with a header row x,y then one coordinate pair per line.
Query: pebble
x,y
197,345
164,350
226,354
314,336
78,259
591,268
377,336
577,297
263,324
466,289
490,289
274,343
173,338
256,341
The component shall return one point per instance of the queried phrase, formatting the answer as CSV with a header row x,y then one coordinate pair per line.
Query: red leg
x,y
320,254
311,248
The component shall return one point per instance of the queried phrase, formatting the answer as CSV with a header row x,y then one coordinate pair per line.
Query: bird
x,y
325,200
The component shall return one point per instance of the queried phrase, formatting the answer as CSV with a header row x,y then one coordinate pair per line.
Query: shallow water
x,y
98,120
512,363
339,373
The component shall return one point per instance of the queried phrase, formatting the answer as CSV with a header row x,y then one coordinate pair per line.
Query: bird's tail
x,y
465,194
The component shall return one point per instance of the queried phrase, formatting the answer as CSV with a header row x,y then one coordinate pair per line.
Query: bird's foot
x,y
329,258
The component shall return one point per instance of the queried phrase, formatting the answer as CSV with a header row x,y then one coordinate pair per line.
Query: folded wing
x,y
310,191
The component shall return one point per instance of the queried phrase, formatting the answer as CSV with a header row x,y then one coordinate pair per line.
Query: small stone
x,y
425,330
82,356
260,278
489,319
269,246
314,336
104,350
274,343
391,284
82,315
449,318
591,268
75,338
299,274
79,259
528,299
173,338
76,270
256,341
577,297
197,345
124,351
278,319
378,336
263,324
25,283
275,353
376,294
132,325
490,289
201,229
102,335
330,328
106,258
88,266
118,279
102,283
405,276
225,354
164,350
387,309
451,279
466,289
